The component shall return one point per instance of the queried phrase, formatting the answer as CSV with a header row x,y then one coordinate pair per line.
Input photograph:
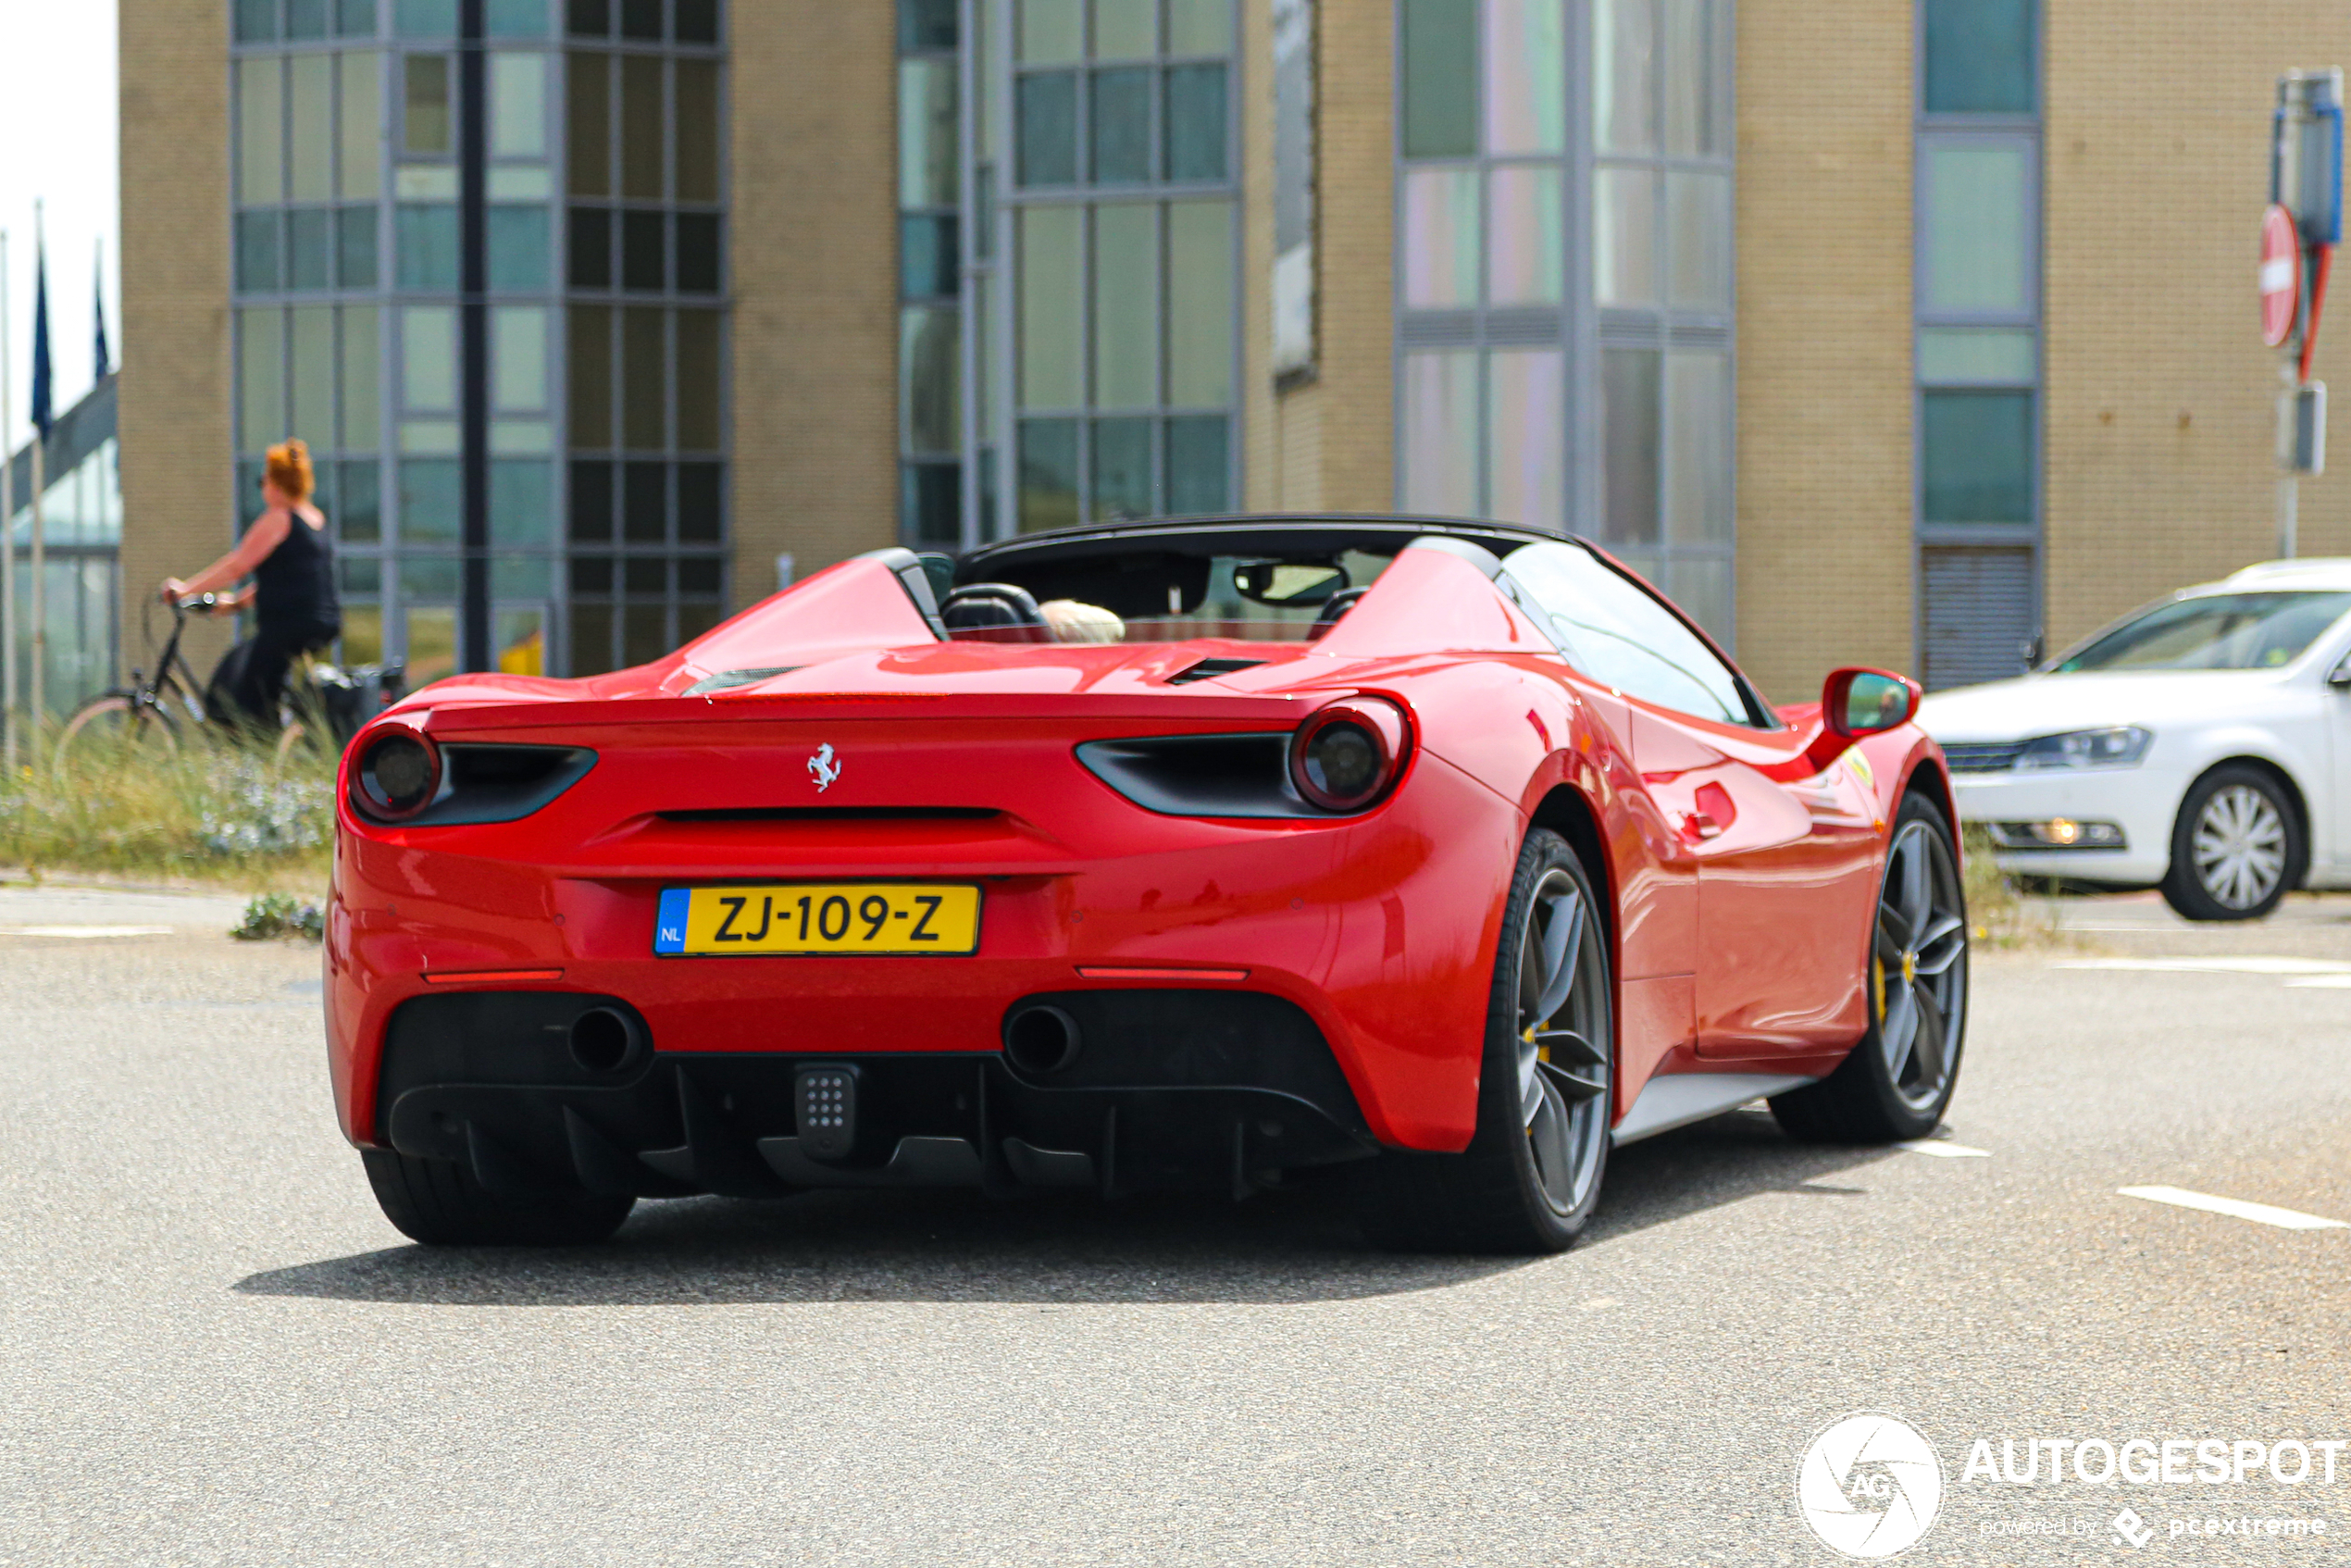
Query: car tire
x,y
1896,1083
439,1204
1531,1176
2237,849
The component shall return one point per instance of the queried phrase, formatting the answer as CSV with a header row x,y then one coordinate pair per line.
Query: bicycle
x,y
153,712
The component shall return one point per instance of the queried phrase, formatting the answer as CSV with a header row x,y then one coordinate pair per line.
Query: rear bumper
x,y
1220,1090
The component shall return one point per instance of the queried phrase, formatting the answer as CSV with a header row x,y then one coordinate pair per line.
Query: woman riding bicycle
x,y
289,556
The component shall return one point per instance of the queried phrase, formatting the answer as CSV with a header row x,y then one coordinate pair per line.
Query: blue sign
x,y
669,926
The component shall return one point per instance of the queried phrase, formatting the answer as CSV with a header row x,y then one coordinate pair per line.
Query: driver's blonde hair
x,y
290,471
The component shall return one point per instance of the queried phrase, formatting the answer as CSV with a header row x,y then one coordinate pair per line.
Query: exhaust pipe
x,y
1041,1040
605,1040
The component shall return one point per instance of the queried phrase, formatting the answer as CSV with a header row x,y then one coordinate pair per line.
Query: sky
x,y
57,142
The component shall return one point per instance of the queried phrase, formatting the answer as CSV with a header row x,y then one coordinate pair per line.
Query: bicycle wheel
x,y
116,726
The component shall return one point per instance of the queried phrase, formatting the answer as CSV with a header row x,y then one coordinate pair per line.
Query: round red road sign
x,y
2280,275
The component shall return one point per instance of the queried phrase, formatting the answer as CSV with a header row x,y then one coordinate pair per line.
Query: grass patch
x,y
1999,913
281,917
210,811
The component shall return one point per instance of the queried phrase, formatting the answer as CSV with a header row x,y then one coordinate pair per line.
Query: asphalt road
x,y
214,1351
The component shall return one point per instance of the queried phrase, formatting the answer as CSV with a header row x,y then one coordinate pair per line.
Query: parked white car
x,y
2201,745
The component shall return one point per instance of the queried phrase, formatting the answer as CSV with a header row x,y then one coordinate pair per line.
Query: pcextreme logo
x,y
1870,1485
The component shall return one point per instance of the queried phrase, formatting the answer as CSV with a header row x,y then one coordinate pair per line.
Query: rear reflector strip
x,y
492,977
1088,974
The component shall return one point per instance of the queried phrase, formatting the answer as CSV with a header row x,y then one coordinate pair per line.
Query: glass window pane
x,y
644,381
1625,236
1629,413
522,504
256,21
591,248
1122,489
260,267
930,380
1526,76
698,252
1126,307
356,18
1696,84
1701,209
593,496
359,518
642,126
1981,56
521,634
1196,123
518,105
696,87
1200,465
1200,304
424,18
426,128
1975,247
514,19
694,22
1440,78
518,359
591,638
1526,469
261,379
360,147
929,261
428,360
644,634
1526,260
644,506
700,489
699,380
1047,473
1125,29
1049,128
644,253
521,242
1698,501
926,24
432,641
1052,328
640,19
698,576
313,376
1975,456
927,125
1200,27
1440,434
362,380
588,18
1122,127
930,504
261,130
588,134
1620,635
432,503
1441,238
356,247
1625,95
1051,32
310,249
426,247
588,354
310,100
1975,356
306,19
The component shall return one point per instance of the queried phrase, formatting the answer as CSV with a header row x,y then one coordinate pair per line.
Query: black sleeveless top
x,y
294,588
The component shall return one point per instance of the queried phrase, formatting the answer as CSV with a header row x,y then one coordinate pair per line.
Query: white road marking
x,y
2235,1208
88,933
2321,982
1943,1150
2248,965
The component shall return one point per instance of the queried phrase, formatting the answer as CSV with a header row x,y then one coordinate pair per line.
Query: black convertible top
x,y
1306,536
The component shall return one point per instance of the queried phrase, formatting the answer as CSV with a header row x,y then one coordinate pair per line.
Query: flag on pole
x,y
44,412
105,360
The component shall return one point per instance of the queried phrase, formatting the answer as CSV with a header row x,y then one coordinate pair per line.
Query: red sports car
x,y
1204,852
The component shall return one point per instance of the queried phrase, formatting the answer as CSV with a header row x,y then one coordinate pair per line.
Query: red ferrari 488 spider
x,y
1191,853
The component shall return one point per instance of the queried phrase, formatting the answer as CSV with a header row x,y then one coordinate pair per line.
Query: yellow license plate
x,y
804,918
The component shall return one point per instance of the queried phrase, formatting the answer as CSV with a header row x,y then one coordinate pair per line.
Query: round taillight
x,y
397,776
1349,754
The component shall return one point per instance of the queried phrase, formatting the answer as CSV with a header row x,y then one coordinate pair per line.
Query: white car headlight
x,y
2121,747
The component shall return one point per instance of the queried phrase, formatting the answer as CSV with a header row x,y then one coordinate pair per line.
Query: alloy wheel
x,y
1564,1066
1918,966
2240,847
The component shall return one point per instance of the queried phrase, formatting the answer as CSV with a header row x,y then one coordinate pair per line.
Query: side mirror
x,y
1864,702
1285,585
2340,679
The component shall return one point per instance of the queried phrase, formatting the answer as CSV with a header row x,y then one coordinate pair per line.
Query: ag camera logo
x,y
1869,1486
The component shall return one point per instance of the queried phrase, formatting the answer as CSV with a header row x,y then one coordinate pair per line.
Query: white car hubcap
x,y
2240,847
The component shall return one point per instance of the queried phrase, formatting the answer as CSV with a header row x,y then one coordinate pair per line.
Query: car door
x,y
1785,857
2332,827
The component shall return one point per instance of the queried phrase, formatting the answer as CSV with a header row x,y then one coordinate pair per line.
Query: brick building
x,y
1880,330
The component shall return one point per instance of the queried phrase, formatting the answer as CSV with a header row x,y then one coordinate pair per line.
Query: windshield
x,y
2216,631
1145,596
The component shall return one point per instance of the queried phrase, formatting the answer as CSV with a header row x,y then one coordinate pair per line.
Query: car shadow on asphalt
x,y
1291,1245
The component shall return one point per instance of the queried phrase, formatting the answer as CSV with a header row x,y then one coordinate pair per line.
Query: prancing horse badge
x,y
823,768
